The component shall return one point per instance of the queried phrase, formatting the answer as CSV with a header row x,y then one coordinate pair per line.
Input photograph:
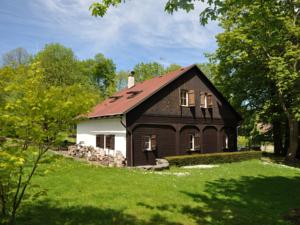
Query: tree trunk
x,y
277,138
293,144
286,138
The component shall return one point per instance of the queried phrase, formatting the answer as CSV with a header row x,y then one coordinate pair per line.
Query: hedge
x,y
213,158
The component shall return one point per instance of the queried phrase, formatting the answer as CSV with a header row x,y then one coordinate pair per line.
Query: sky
x,y
138,31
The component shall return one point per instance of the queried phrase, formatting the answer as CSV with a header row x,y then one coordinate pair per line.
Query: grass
x,y
250,192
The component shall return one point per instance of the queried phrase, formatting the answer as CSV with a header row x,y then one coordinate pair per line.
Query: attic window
x,y
184,98
187,98
206,100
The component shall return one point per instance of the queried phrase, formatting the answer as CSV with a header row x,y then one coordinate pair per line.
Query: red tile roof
x,y
128,98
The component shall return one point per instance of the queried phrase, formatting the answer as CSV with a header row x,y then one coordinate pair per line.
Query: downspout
x,y
131,148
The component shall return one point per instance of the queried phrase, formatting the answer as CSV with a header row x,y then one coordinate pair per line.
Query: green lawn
x,y
243,193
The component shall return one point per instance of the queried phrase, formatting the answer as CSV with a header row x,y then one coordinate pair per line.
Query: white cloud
x,y
141,24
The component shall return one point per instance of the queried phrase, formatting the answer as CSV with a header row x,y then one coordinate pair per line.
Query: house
x,y
175,114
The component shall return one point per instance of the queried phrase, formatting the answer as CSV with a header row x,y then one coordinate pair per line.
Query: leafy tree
x,y
122,78
172,67
102,73
105,75
146,71
33,114
16,57
59,64
207,69
259,48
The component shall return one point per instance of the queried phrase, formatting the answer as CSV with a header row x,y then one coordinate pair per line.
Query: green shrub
x,y
213,158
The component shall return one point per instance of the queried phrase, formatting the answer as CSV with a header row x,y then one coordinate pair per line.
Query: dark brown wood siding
x,y
210,140
165,145
163,114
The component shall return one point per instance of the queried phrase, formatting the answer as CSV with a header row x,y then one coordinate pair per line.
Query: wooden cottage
x,y
178,113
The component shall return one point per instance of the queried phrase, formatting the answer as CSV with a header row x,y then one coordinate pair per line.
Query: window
x,y
100,141
192,142
206,100
149,143
110,142
105,141
187,98
184,98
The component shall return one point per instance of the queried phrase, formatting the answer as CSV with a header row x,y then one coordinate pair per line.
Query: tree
x,y
172,67
207,69
122,78
146,71
105,75
260,45
59,64
259,49
33,114
16,57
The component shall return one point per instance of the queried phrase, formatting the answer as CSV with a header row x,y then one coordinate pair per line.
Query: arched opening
x,y
210,140
151,142
228,139
190,140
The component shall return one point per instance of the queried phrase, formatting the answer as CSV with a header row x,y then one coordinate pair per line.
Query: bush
x,y
213,158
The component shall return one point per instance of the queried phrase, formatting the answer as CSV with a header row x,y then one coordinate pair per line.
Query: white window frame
x,y
186,97
148,141
192,142
205,101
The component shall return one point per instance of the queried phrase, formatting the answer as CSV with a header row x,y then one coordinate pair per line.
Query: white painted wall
x,y
88,129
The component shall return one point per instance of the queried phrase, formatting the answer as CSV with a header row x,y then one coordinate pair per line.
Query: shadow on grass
x,y
272,158
47,214
248,200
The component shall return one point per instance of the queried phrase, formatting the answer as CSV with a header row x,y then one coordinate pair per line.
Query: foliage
x,y
172,67
208,70
146,71
243,141
258,68
59,65
33,113
104,75
212,158
122,78
16,57
224,195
